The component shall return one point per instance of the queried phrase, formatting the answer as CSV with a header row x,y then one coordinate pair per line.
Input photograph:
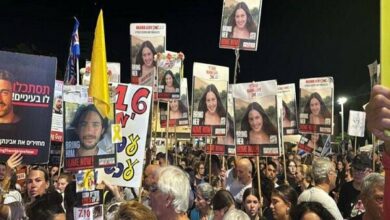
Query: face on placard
x,y
168,80
315,137
251,205
174,105
36,183
255,120
315,106
211,102
147,56
90,129
58,103
240,18
5,98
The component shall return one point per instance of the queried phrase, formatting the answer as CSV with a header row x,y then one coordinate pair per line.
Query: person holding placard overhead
x,y
145,58
242,22
316,109
257,124
211,106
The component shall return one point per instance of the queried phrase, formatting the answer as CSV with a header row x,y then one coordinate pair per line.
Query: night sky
x,y
298,38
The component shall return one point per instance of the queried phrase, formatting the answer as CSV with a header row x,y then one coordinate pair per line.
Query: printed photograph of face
x,y
169,81
210,99
316,106
289,115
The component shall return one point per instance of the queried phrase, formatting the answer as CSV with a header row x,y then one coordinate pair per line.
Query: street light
x,y
342,101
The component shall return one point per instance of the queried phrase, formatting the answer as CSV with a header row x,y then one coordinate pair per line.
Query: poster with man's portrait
x,y
240,24
178,108
57,125
88,142
316,105
169,67
256,118
146,40
26,105
289,109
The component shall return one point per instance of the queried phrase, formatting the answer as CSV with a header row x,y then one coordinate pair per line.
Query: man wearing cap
x,y
349,203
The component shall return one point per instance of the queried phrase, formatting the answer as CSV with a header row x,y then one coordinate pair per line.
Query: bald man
x,y
150,175
244,174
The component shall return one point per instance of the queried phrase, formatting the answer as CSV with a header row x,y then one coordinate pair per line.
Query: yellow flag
x,y
385,43
98,86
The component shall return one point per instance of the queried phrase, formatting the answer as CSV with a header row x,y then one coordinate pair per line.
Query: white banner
x,y
356,123
133,104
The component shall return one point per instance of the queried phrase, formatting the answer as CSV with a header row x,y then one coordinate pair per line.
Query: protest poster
x,y
89,213
356,123
316,105
113,72
147,39
374,72
256,118
224,145
240,24
209,100
87,133
178,109
316,144
85,180
57,122
289,108
133,107
169,67
26,90
55,153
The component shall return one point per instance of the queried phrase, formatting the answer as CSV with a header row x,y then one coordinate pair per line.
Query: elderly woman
x,y
204,195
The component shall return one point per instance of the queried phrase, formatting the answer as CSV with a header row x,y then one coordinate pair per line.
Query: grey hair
x,y
320,169
173,181
206,190
370,182
236,214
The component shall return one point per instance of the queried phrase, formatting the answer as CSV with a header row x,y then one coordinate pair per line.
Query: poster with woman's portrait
x,y
289,108
147,39
209,99
26,105
256,118
88,142
169,66
316,105
316,144
178,108
240,24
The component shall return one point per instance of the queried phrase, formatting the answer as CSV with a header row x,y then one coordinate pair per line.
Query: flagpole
x,y
77,71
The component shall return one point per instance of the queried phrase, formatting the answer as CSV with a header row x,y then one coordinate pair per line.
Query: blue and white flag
x,y
71,75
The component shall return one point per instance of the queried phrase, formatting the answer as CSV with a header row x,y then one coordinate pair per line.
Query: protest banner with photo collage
x,y
133,108
316,105
26,90
169,66
209,100
240,24
256,118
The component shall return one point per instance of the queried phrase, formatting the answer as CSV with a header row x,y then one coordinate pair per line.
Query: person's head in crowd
x,y
252,202
236,214
150,175
257,124
372,195
316,109
54,170
47,206
135,211
204,194
244,171
297,159
311,211
361,167
284,198
13,211
223,201
169,82
324,173
340,165
199,169
216,165
216,182
241,22
303,176
211,105
169,198
90,128
292,168
231,162
7,114
3,169
145,57
70,199
63,180
271,171
183,163
37,182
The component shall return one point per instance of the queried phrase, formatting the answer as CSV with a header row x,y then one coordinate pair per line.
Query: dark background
x,y
298,38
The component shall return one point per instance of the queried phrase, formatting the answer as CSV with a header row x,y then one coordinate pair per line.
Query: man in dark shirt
x,y
349,202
